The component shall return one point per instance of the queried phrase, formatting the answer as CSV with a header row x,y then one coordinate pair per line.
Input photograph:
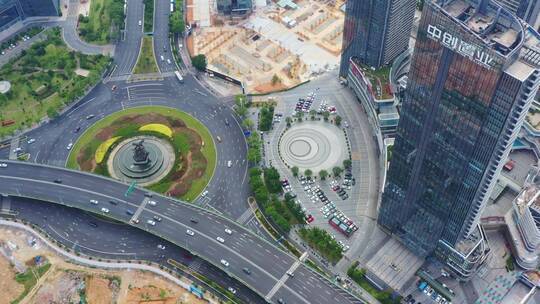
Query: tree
x,y
337,171
248,124
338,120
294,171
176,22
199,62
326,114
288,120
308,172
347,163
271,179
323,174
241,111
312,114
52,113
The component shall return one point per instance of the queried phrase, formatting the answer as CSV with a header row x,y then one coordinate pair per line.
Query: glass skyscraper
x,y
12,11
528,10
376,31
473,76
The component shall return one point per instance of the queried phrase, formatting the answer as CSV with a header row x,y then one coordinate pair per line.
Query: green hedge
x,y
358,275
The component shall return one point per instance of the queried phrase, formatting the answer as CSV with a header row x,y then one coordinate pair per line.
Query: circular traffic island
x,y
161,148
313,145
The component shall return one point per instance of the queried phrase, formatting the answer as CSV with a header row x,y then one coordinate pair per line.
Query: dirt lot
x,y
68,283
10,288
273,48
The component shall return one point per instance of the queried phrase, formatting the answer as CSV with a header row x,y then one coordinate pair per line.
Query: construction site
x,y
32,273
277,45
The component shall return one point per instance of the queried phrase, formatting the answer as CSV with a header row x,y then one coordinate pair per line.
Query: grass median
x,y
146,63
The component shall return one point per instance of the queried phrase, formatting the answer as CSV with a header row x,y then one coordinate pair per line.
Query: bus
x,y
179,77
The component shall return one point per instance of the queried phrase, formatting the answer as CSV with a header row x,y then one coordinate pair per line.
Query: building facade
x,y
523,223
376,31
528,10
12,11
473,76
234,7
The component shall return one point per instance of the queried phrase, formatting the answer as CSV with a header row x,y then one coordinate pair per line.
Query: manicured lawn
x,y
29,279
147,61
43,80
105,19
148,16
208,149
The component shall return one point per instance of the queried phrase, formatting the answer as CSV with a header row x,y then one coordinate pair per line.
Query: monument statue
x,y
140,155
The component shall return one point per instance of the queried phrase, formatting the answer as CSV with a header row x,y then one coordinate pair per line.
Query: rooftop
x,y
498,29
379,79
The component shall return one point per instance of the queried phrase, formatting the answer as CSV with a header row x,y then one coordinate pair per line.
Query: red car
x,y
309,218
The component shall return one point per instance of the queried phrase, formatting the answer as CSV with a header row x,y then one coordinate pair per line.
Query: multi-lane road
x,y
268,265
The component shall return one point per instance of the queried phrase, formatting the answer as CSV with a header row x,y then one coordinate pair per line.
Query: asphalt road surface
x,y
241,249
111,240
127,50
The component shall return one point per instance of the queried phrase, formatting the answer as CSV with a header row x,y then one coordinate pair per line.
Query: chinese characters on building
x,y
464,48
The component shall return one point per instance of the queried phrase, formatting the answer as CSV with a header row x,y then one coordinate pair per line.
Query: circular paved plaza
x,y
314,145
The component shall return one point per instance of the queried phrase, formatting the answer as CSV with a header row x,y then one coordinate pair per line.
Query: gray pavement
x,y
127,49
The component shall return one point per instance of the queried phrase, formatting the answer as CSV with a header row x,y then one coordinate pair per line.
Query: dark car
x,y
246,270
113,202
93,224
129,212
58,181
77,129
194,220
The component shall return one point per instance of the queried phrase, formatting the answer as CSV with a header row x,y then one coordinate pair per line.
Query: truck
x,y
346,228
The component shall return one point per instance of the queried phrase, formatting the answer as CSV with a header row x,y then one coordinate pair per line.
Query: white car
x,y
345,248
140,22
3,165
225,263
190,232
161,247
104,210
93,201
69,146
31,140
232,290
229,164
19,149
228,231
220,239
151,223
152,203
205,192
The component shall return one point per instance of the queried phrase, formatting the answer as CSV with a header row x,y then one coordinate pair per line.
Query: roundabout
x,y
161,148
313,145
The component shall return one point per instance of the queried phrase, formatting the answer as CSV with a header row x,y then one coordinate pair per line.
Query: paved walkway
x,y
315,145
